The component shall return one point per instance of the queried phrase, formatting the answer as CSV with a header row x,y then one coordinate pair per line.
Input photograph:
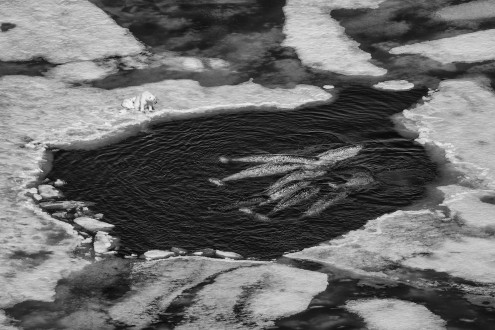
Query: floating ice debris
x,y
394,85
104,242
295,176
228,255
64,205
59,183
158,254
209,253
324,203
276,159
47,192
327,87
299,197
217,182
93,225
142,102
262,170
470,47
288,190
179,251
257,216
338,154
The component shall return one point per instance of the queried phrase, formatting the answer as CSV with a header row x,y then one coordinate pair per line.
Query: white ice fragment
x,y
59,183
47,191
394,85
157,254
321,42
62,31
328,87
228,255
470,47
103,242
393,314
93,225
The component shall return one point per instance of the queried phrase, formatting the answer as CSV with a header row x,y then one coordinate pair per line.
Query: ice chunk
x,y
472,10
253,295
470,47
321,42
157,254
104,242
394,85
93,225
62,31
393,314
47,192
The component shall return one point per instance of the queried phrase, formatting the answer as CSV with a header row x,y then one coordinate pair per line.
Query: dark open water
x,y
155,186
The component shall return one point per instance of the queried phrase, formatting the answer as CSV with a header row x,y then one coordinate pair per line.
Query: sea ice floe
x,y
470,47
37,111
321,42
157,283
252,295
481,9
420,239
62,31
393,314
394,85
458,118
